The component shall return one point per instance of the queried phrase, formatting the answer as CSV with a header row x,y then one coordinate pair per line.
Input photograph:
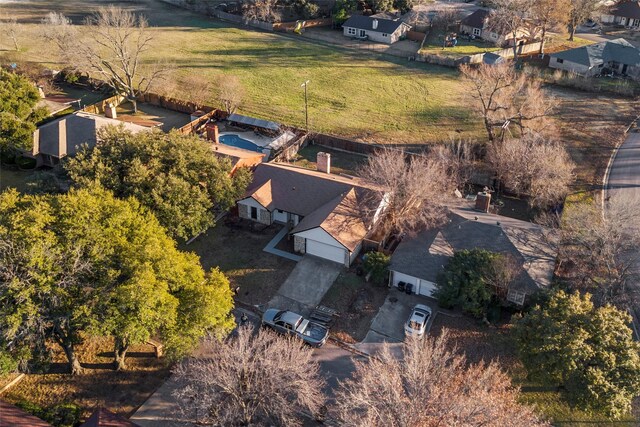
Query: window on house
x,y
559,61
477,31
516,297
351,31
385,35
254,212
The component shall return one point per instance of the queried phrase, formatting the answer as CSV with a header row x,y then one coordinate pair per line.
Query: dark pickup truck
x,y
287,322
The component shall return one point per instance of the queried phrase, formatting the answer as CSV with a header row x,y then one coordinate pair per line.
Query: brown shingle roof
x,y
297,190
12,416
343,218
477,19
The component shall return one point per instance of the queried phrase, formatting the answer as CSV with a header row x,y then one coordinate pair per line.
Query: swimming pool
x,y
236,141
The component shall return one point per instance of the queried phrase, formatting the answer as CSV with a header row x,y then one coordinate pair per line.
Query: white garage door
x,y
426,288
325,251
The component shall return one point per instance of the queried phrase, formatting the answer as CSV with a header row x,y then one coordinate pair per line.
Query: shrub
x,y
376,263
62,415
25,162
8,157
7,363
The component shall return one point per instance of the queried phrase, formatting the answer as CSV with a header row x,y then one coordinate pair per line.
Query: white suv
x,y
417,323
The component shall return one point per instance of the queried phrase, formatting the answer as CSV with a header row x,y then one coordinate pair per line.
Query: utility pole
x,y
306,106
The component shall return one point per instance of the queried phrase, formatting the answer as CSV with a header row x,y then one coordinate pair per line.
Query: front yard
x,y
238,253
357,303
99,386
483,343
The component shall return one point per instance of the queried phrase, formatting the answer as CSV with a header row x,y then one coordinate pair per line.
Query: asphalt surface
x,y
624,181
336,364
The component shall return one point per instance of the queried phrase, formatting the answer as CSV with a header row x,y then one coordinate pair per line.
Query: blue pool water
x,y
236,141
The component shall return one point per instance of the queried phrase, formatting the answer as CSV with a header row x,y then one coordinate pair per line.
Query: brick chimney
x,y
483,201
213,133
110,111
323,162
36,142
62,138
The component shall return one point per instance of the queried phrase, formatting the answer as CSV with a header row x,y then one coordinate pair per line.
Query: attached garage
x,y
420,286
326,251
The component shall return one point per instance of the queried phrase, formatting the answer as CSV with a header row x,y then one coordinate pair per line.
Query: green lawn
x,y
10,177
350,93
341,162
463,47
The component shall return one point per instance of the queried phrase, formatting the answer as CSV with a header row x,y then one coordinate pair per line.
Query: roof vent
x,y
375,24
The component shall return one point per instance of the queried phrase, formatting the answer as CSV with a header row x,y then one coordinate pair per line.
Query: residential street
x,y
160,409
624,180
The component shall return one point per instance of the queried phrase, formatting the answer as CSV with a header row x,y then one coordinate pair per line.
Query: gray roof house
x,y
324,213
625,13
419,260
375,29
62,137
617,56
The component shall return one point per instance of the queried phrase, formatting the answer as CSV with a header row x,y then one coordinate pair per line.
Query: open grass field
x,y
350,93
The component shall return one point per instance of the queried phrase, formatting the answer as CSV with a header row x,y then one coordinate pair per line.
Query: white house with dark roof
x,y
419,260
62,137
375,29
626,13
328,215
617,55
478,25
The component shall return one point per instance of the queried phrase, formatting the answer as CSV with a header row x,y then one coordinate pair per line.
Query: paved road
x,y
336,364
624,181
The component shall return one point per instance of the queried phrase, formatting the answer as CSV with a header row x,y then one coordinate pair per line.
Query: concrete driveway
x,y
306,285
388,325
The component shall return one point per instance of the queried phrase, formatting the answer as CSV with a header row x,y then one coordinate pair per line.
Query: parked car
x,y
417,323
289,323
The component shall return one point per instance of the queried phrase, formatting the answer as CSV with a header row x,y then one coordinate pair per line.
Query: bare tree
x,y
431,385
257,379
459,158
445,18
230,93
510,17
118,41
261,10
11,29
414,188
549,14
505,99
533,165
580,12
602,250
58,29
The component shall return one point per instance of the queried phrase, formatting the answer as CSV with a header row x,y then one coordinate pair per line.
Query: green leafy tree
x,y
342,10
177,176
381,5
87,263
376,264
467,281
18,111
403,6
588,350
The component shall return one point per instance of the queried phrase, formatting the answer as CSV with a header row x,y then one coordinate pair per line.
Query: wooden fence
x,y
99,107
477,58
192,127
289,151
342,144
308,23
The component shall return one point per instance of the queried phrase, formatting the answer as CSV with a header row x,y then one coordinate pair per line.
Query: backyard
x,y
341,162
350,93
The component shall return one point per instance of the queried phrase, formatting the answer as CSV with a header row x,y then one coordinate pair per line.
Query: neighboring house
x,y
625,13
104,418
62,137
380,30
326,214
477,24
419,260
12,416
618,56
